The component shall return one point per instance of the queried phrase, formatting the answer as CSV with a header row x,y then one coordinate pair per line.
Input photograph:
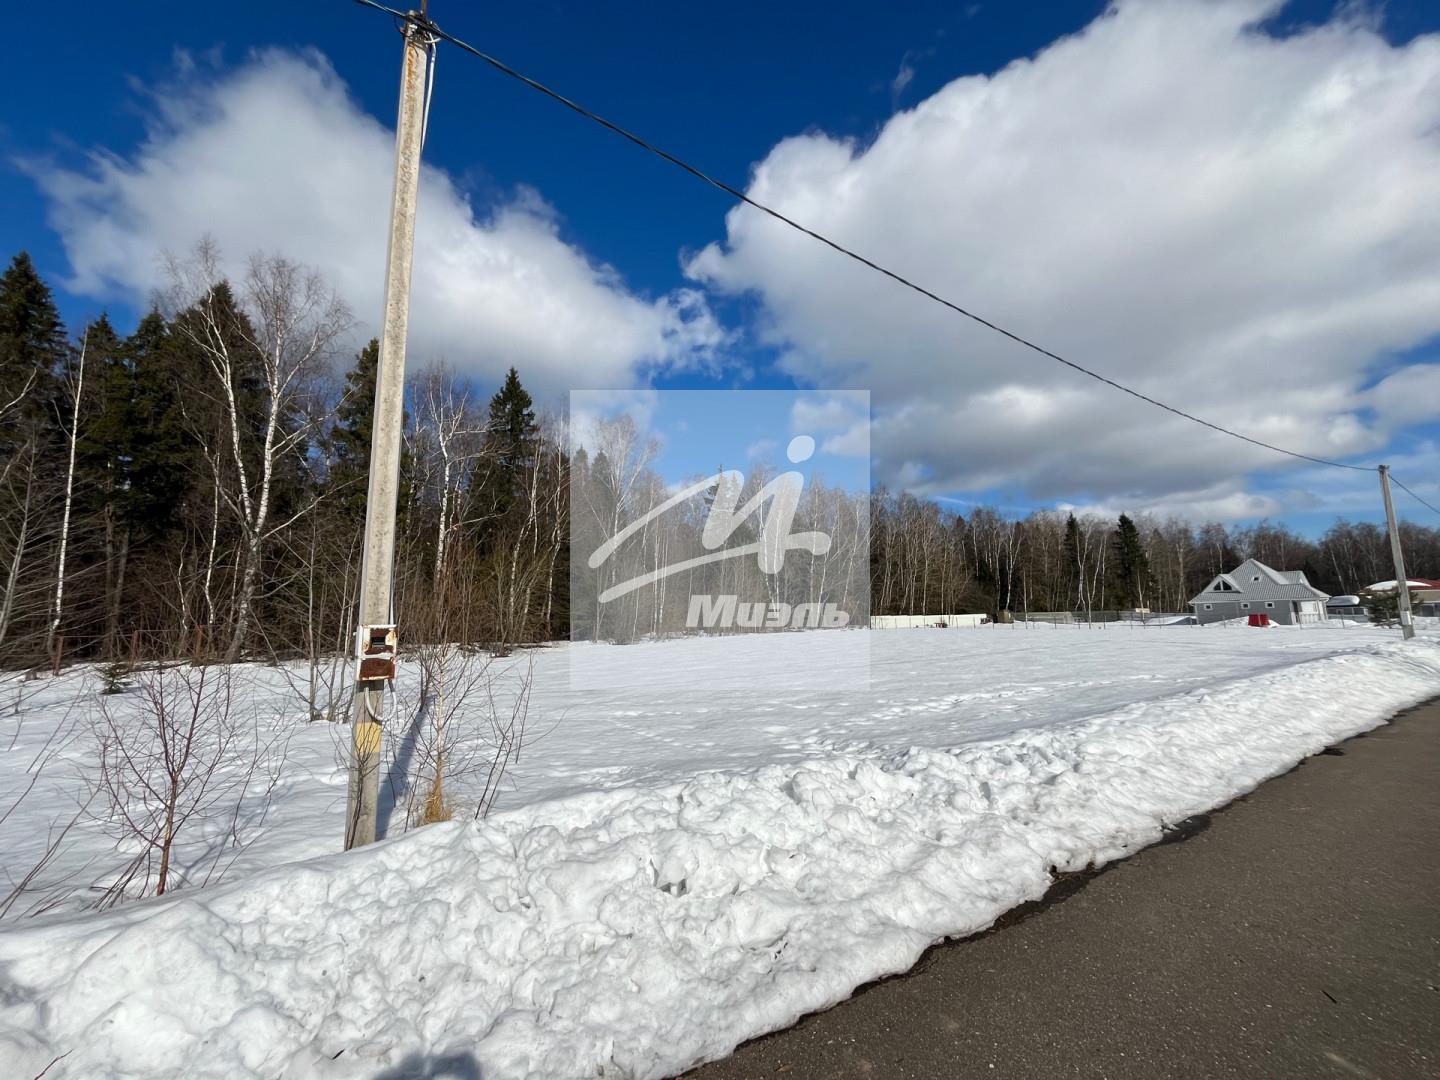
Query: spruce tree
x,y
106,424
1132,565
104,434
160,469
510,435
205,405
580,468
1072,547
349,474
350,437
355,416
32,348
134,461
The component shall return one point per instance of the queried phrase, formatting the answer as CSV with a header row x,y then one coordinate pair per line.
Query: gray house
x,y
1252,588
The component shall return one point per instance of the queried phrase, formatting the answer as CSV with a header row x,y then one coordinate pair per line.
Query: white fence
x,y
1130,615
922,622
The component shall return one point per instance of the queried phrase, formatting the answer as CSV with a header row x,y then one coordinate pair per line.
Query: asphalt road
x,y
1295,933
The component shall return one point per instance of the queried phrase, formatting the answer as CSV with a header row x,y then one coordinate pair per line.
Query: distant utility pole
x,y
1402,583
376,642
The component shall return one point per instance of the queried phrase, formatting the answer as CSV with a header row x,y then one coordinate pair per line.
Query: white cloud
x,y
1212,504
1409,395
1357,494
588,410
276,155
1236,223
1311,489
903,78
842,416
829,411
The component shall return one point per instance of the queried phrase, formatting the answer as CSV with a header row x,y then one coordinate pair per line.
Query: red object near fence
x,y
1260,619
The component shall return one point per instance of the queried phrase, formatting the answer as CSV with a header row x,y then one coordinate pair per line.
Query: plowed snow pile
x,y
637,930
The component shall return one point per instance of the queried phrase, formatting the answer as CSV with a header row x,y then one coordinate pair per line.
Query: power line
x,y
735,193
1412,494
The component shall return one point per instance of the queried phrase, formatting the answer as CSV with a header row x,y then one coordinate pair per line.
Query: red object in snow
x,y
1260,619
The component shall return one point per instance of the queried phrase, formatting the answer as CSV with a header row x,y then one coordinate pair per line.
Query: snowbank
x,y
637,931
610,718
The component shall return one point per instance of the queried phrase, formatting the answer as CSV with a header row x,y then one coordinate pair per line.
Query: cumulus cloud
x,y
1236,222
276,155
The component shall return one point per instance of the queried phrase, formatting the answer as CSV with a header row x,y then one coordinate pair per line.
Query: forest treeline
x,y
926,560
197,488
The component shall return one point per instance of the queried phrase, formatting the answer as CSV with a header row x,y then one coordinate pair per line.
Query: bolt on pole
x,y
378,549
1402,583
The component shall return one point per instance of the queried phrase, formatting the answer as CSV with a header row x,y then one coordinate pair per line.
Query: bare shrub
x,y
38,888
182,760
465,723
52,894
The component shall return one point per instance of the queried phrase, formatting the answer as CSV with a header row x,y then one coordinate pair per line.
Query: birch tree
x,y
284,344
448,440
76,387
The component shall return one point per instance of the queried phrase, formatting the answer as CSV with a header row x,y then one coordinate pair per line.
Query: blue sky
x,y
719,86
698,431
723,87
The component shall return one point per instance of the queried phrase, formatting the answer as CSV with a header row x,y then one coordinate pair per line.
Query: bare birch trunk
x,y
57,609
12,575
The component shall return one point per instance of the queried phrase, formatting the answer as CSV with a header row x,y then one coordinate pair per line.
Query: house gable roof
x,y
1253,581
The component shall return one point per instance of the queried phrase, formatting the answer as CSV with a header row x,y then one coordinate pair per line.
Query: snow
x,y
711,841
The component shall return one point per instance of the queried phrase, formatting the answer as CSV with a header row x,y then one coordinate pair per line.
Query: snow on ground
x,y
604,717
712,839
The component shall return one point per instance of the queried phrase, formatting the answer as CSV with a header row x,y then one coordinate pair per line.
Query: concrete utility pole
x,y
1402,583
376,641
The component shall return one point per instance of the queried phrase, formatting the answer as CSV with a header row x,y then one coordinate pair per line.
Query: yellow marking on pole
x,y
367,738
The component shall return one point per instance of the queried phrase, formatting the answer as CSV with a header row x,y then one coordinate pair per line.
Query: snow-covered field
x,y
707,839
